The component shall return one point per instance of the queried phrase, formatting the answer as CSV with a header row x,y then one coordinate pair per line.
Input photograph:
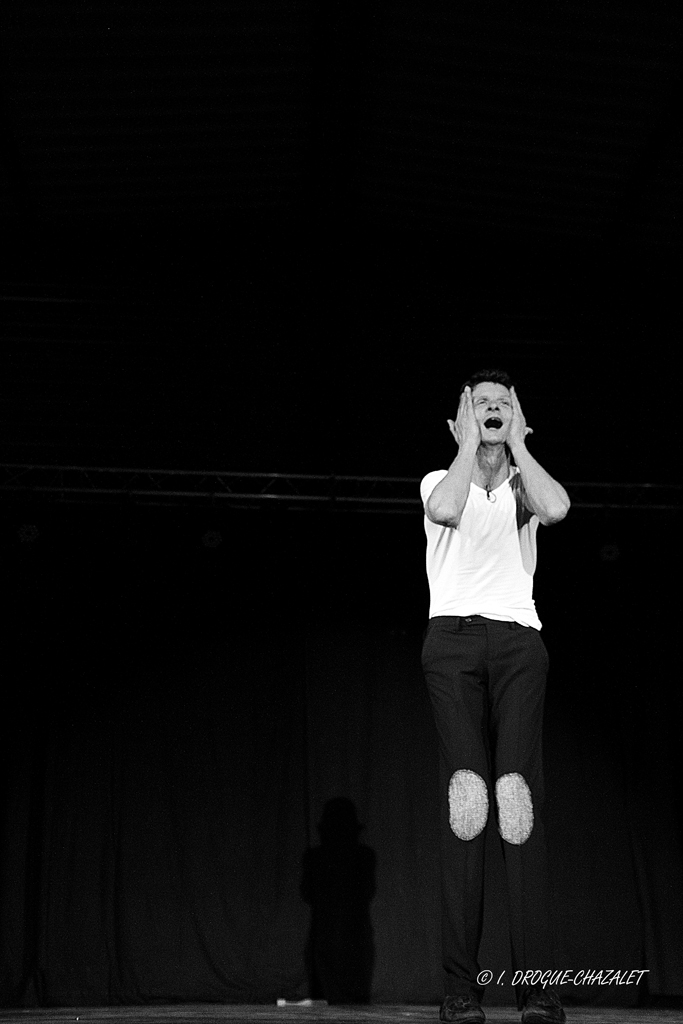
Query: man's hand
x,y
466,429
518,428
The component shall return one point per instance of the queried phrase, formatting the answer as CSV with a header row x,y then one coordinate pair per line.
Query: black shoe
x,y
461,1009
543,1006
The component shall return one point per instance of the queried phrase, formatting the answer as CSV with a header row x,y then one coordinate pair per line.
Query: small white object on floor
x,y
302,1002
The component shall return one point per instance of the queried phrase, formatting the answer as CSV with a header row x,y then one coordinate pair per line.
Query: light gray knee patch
x,y
515,808
468,804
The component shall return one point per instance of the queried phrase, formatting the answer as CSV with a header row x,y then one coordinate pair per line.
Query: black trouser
x,y
486,682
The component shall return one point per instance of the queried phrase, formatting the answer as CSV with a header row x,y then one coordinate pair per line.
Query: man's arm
x,y
446,502
546,497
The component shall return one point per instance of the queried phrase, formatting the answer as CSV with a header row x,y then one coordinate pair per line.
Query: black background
x,y
262,237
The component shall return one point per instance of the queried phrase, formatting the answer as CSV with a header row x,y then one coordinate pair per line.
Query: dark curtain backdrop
x,y
185,691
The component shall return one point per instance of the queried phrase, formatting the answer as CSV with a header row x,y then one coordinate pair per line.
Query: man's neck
x,y
492,467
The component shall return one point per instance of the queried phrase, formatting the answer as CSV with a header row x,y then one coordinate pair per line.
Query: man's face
x,y
493,410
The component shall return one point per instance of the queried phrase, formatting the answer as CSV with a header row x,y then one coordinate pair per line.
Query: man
x,y
485,666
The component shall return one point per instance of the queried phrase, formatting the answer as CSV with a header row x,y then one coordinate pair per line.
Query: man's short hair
x,y
495,376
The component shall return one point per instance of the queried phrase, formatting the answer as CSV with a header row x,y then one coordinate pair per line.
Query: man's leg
x,y
518,664
453,660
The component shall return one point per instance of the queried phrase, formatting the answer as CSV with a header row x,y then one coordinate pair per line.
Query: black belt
x,y
473,620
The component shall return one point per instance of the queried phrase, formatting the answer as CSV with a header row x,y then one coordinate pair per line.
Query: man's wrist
x,y
465,455
516,447
469,447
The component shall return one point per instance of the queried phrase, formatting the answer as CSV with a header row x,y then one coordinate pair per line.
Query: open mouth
x,y
493,423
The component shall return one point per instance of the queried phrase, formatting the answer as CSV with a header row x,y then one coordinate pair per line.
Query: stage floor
x,y
214,1013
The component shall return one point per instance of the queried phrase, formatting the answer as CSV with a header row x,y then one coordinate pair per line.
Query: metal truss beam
x,y
91,484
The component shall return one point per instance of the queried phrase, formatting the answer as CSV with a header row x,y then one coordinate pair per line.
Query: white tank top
x,y
484,566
